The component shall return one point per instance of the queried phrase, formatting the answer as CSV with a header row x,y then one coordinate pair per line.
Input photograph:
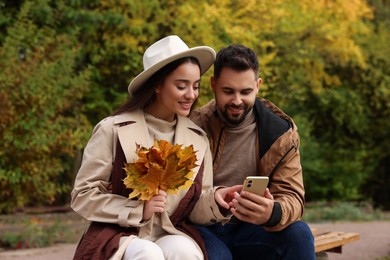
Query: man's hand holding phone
x,y
255,203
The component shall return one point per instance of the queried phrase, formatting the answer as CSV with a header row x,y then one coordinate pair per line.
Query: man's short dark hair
x,y
236,57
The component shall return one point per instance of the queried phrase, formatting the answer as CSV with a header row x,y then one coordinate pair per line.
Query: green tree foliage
x,y
372,85
349,120
41,126
325,62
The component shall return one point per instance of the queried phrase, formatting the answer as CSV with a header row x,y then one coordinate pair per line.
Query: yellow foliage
x,y
162,167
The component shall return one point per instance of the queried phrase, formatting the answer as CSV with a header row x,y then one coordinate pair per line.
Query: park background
x,y
66,64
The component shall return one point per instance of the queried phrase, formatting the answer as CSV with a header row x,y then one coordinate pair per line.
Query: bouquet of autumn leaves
x,y
164,166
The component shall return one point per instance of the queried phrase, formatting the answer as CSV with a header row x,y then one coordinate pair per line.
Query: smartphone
x,y
256,184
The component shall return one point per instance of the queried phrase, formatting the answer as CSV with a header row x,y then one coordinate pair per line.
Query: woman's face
x,y
177,93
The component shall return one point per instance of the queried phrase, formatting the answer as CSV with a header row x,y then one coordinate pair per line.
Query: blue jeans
x,y
245,241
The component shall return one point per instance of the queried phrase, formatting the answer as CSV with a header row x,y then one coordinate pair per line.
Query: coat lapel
x,y
188,133
132,130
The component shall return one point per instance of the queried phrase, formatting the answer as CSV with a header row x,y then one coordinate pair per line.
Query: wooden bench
x,y
332,241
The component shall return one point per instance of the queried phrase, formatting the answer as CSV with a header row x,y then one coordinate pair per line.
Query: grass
x,y
37,229
342,212
22,230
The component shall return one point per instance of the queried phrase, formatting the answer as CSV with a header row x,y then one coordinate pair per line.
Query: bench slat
x,y
333,240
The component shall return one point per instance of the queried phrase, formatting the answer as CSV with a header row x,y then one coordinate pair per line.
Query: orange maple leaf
x,y
162,167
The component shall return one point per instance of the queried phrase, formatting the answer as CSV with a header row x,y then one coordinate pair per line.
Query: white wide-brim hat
x,y
166,50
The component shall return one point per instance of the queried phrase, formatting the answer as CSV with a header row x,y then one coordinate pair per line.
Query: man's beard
x,y
235,119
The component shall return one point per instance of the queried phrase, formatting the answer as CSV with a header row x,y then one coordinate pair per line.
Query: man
x,y
251,136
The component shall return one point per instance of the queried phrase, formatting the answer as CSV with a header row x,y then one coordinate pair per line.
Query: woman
x,y
161,97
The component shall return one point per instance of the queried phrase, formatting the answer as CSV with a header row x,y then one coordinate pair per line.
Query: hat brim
x,y
204,54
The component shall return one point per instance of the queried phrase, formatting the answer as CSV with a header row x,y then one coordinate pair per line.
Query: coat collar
x,y
133,130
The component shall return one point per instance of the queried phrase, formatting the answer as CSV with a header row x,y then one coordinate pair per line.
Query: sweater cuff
x,y
276,216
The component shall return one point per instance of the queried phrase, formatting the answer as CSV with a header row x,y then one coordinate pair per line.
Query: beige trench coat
x,y
92,199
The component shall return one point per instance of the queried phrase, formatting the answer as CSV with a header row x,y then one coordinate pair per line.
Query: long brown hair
x,y
146,94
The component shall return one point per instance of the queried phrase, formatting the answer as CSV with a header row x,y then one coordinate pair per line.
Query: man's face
x,y
235,93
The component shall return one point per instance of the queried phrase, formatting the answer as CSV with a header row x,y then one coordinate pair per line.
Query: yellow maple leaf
x,y
164,166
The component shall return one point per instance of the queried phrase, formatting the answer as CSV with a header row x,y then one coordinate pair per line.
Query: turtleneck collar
x,y
162,125
160,129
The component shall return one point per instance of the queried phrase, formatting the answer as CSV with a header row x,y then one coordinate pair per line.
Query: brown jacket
x,y
278,156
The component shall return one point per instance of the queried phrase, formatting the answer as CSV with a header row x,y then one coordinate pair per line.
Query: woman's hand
x,y
155,204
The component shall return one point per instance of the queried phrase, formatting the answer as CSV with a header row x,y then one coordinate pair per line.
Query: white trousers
x,y
169,247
